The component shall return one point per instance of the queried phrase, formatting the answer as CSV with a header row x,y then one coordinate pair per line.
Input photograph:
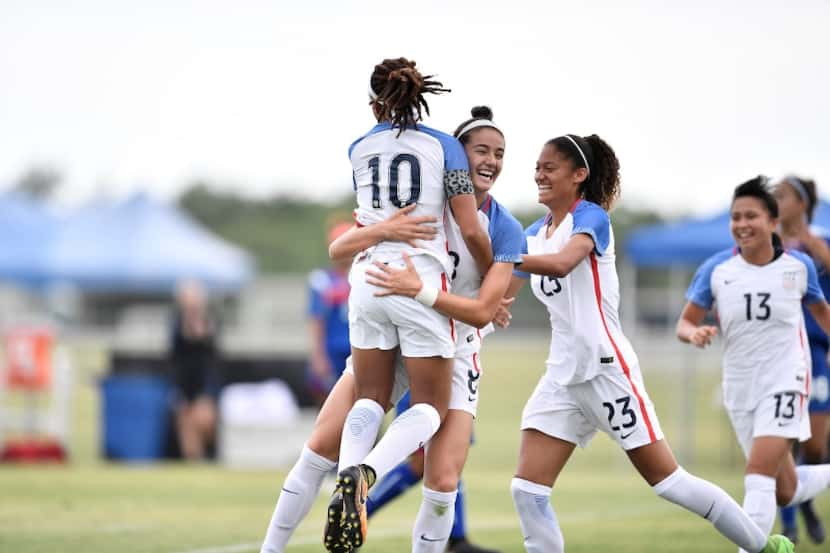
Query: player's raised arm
x,y
465,210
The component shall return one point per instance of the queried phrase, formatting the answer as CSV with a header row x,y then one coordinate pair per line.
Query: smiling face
x,y
485,152
751,223
557,180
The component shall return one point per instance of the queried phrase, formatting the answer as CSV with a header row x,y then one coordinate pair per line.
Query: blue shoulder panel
x,y
454,156
376,129
591,219
700,290
506,235
813,293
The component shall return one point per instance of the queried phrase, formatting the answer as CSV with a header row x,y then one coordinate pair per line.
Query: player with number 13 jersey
x,y
760,315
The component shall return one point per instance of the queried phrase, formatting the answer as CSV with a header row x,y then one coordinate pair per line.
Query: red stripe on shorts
x,y
598,292
475,363
809,368
444,288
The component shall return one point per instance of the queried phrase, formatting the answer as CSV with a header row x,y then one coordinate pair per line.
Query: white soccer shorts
x,y
397,321
783,414
614,403
466,377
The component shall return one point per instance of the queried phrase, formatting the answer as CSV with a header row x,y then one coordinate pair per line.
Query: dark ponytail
x,y
602,186
479,113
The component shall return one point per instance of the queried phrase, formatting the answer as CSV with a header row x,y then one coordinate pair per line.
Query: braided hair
x,y
602,186
397,90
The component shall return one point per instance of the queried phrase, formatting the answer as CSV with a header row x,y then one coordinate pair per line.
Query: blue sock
x,y
459,524
399,479
788,517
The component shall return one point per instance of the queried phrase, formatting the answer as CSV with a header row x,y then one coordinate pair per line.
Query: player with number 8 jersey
x,y
757,290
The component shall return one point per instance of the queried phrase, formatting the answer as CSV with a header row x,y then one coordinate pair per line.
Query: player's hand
x,y
402,227
702,336
403,282
503,316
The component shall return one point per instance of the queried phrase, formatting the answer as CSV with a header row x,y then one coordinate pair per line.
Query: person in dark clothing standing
x,y
194,359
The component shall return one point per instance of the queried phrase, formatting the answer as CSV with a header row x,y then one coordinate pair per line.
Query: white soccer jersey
x,y
392,171
583,306
506,239
759,311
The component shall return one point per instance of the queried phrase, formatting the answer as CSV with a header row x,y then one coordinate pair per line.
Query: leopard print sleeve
x,y
457,182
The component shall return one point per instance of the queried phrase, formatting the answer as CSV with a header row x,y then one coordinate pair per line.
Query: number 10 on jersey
x,y
392,182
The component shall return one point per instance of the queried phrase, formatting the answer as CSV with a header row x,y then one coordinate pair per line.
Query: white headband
x,y
477,123
581,153
372,94
796,183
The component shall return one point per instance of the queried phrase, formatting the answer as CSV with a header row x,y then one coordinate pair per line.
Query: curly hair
x,y
399,90
602,186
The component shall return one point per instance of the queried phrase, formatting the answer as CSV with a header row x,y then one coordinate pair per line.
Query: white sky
x,y
267,96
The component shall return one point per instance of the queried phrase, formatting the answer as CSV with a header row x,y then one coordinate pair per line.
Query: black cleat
x,y
354,487
815,529
333,540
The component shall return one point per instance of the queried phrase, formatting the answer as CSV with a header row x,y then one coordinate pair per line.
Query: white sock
x,y
411,430
360,432
539,525
298,493
812,480
434,522
715,505
759,501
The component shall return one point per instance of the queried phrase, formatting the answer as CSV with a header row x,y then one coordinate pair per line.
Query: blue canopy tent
x,y
141,245
136,246
692,241
26,226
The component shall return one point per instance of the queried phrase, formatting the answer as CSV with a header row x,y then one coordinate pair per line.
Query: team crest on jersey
x,y
789,279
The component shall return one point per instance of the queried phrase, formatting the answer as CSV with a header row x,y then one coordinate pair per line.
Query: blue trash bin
x,y
135,420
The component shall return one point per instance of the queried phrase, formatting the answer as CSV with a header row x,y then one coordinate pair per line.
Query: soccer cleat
x,y
354,487
464,546
815,529
778,544
333,540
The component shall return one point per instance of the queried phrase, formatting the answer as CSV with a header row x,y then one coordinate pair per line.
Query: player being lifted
x,y
593,379
397,163
758,290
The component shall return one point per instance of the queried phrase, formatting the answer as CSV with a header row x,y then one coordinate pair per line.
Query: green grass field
x,y
89,506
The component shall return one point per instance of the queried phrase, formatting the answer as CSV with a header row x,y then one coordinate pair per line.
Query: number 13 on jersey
x,y
391,180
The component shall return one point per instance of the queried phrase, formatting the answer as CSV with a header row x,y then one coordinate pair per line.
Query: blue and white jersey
x,y
507,240
759,311
328,301
587,339
815,333
391,172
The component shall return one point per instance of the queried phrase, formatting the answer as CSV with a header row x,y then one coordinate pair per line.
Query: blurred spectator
x,y
329,321
194,359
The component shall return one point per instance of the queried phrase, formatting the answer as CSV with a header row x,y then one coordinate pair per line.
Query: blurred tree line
x,y
288,234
